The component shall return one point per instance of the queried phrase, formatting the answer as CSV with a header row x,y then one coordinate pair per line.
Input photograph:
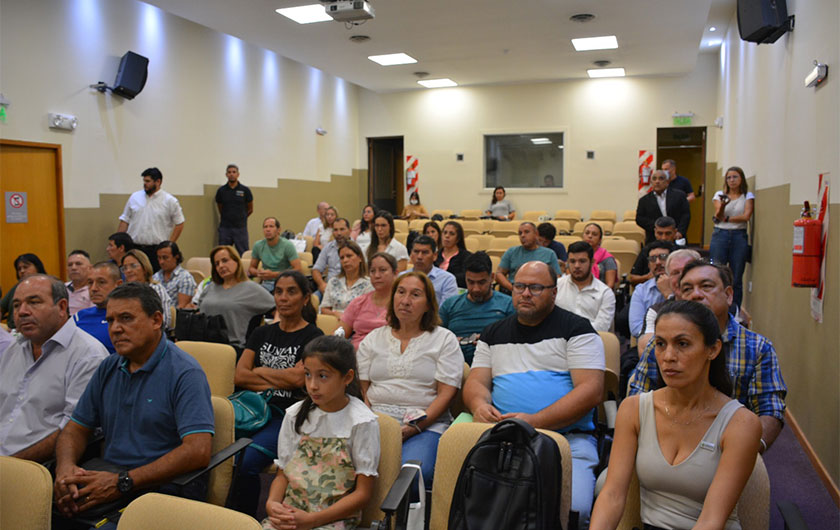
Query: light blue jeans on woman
x,y
730,247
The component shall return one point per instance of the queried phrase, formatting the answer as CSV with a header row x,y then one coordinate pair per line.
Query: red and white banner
x,y
412,176
818,294
645,169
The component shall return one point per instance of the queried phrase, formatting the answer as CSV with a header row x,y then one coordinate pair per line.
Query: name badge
x,y
708,446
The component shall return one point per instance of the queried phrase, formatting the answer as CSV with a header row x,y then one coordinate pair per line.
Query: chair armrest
x,y
400,489
215,460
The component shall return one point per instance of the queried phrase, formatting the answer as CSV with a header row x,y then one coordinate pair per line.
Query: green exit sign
x,y
682,120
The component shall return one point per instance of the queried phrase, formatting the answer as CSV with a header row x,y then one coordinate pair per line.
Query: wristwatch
x,y
125,483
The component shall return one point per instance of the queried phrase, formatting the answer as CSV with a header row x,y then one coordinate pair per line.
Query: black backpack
x,y
511,480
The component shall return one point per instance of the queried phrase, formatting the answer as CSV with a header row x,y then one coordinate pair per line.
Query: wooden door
x,y
385,173
687,147
35,169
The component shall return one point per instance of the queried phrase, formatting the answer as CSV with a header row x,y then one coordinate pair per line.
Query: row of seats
x,y
626,229
572,216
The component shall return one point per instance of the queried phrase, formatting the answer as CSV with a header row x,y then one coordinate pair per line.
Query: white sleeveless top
x,y
733,208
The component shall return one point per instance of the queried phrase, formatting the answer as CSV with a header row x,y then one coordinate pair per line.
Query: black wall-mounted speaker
x,y
131,77
763,21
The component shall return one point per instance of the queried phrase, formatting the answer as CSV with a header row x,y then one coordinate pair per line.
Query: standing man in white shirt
x,y
78,270
152,215
583,294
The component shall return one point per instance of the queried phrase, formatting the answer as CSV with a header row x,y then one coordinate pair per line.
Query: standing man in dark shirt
x,y
235,203
678,182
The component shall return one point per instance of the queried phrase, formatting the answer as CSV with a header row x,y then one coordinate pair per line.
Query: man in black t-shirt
x,y
235,203
678,182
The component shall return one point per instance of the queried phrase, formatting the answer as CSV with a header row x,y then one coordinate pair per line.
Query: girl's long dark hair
x,y
374,238
338,353
308,312
364,226
32,259
497,188
702,317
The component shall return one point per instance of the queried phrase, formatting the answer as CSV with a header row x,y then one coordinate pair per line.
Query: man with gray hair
x,y
316,223
44,372
662,201
104,279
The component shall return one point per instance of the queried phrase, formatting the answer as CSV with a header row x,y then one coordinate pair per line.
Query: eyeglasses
x,y
535,288
658,257
130,266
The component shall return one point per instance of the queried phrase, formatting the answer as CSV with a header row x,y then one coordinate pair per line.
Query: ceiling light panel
x,y
606,72
437,83
306,14
608,42
392,59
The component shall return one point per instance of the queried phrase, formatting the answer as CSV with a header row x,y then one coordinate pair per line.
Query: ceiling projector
x,y
349,10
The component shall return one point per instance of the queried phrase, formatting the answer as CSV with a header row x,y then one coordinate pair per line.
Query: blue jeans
x,y
422,447
730,247
584,460
238,237
255,458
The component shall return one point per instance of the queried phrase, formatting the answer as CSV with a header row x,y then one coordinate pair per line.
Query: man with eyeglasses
x,y
665,229
467,314
544,365
649,292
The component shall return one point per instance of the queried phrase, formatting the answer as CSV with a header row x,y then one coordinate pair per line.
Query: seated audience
x,y
650,292
151,435
362,228
582,293
178,282
545,366
104,279
750,358
325,232
137,268
350,283
368,311
453,251
44,371
530,250
466,315
316,223
78,270
331,420
432,229
411,369
272,361
501,208
414,210
423,254
665,229
546,232
659,435
118,244
25,265
382,240
329,263
662,201
275,252
604,266
231,295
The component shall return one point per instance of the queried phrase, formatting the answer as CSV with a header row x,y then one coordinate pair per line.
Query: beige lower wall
x,y
291,201
809,352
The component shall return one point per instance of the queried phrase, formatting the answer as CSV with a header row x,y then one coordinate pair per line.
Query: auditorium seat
x,y
572,216
446,214
603,215
417,225
629,230
199,263
562,226
505,228
534,215
629,215
400,225
471,215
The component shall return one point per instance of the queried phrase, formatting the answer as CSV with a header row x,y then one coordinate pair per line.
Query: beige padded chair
x,y
484,241
221,476
471,242
454,445
166,512
612,357
400,225
327,323
624,251
218,362
21,479
402,237
201,264
475,226
499,245
313,300
753,506
534,215
567,240
417,224
629,230
198,276
246,256
505,228
457,406
390,462
629,215
310,242
445,213
603,215
495,261
471,215
562,226
305,268
306,257
572,216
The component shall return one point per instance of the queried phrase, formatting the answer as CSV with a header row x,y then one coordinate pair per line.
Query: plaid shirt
x,y
753,368
181,281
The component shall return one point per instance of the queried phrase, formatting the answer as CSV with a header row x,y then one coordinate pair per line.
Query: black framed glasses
x,y
535,288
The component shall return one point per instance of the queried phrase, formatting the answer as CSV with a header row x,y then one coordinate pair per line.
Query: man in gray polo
x,y
42,373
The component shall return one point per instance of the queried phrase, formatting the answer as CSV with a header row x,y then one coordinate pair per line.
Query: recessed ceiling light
x,y
606,72
713,28
305,14
437,83
392,58
607,42
540,141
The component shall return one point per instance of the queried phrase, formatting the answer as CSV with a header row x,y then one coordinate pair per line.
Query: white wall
x,y
613,117
210,99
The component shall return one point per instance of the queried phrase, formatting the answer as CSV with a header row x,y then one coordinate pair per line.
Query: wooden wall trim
x,y
822,472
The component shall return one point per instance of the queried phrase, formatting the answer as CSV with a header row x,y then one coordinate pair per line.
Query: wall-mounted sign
x,y
17,207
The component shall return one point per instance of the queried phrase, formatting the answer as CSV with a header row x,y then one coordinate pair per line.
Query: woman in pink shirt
x,y
368,311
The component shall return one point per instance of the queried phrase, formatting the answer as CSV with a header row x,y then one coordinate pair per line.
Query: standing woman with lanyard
x,y
730,245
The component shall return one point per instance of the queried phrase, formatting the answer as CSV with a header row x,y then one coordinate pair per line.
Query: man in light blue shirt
x,y
423,254
530,250
328,261
650,292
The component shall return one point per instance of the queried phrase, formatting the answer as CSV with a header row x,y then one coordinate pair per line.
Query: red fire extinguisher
x,y
807,233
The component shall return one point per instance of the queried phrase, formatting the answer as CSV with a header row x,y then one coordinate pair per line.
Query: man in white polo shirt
x,y
582,293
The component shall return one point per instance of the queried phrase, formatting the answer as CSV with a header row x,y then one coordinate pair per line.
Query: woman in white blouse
x,y
382,240
351,282
411,369
730,245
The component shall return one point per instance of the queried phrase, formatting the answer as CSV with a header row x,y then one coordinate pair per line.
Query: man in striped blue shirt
x,y
544,365
753,365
